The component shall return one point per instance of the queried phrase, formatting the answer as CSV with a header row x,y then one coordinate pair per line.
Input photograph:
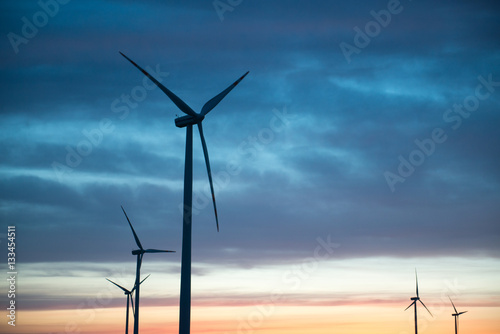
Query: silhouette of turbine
x,y
140,253
128,293
188,121
456,315
415,299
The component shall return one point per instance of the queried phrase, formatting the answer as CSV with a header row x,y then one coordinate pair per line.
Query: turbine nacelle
x,y
456,315
139,252
143,251
184,121
414,303
128,293
191,118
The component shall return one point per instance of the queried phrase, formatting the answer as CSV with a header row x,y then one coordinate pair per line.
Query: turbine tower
x,y
128,293
415,299
456,314
191,118
140,253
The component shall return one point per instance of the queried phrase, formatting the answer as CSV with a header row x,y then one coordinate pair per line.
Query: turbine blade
x,y
421,302
133,231
145,278
132,301
133,289
462,312
416,280
453,304
158,251
215,100
410,305
207,161
140,261
175,99
128,306
118,285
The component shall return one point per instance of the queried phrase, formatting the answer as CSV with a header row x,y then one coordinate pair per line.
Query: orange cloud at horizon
x,y
259,319
346,297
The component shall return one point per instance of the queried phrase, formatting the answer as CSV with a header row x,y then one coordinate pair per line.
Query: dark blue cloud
x,y
319,171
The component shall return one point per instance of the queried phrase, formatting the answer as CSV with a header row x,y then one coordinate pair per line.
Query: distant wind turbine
x,y
415,299
128,293
456,315
140,253
188,121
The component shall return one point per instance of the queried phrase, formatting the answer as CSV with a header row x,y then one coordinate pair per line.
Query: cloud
x,y
318,172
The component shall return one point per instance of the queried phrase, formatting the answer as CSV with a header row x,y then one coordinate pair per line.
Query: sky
x,y
362,146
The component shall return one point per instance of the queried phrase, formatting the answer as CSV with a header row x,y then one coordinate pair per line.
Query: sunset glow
x,y
359,151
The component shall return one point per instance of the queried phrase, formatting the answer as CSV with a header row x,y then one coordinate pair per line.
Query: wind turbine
x,y
128,293
188,121
456,314
415,299
140,253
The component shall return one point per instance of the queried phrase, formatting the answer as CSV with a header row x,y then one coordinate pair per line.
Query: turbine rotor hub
x,y
186,120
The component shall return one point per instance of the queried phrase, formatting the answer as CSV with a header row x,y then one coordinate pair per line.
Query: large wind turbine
x,y
128,293
191,118
140,253
415,299
456,314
